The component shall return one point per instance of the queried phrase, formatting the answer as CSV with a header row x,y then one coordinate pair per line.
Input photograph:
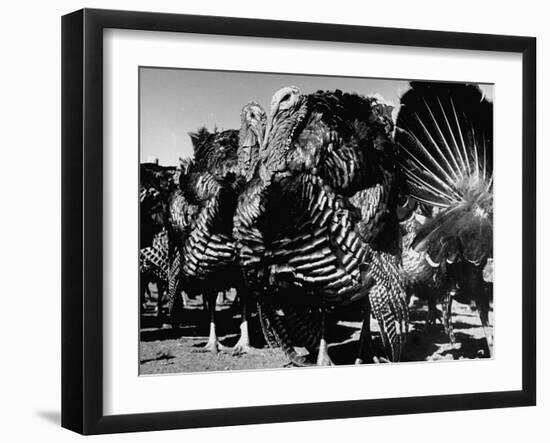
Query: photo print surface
x,y
297,220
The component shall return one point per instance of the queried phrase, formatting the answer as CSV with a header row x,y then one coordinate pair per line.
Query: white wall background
x,y
30,218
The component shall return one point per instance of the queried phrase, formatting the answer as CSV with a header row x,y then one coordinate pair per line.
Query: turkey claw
x,y
242,348
212,346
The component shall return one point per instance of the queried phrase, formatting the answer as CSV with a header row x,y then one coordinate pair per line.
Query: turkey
x,y
315,226
445,137
156,185
203,256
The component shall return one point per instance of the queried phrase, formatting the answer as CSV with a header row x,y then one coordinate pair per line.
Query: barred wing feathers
x,y
322,150
182,214
154,258
204,207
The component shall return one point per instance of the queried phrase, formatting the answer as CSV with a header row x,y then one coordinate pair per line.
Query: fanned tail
x,y
445,137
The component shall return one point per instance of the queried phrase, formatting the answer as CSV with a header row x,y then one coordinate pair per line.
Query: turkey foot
x,y
323,359
433,314
365,352
213,345
432,318
243,345
482,305
488,331
489,337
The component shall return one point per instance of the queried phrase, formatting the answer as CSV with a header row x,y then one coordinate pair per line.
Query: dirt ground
x,y
166,350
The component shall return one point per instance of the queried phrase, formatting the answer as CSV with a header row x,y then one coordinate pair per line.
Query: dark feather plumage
x,y
202,210
445,136
444,132
301,239
156,185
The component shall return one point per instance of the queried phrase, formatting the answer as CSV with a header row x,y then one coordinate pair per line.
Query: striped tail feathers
x,y
270,335
173,277
303,324
182,215
284,328
164,262
445,135
155,257
387,298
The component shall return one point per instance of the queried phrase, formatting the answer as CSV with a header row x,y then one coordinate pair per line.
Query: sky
x,y
174,102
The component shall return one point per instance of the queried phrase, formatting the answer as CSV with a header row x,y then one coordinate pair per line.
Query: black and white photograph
x,y
275,222
290,221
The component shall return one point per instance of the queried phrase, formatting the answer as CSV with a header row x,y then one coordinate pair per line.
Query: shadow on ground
x,y
171,350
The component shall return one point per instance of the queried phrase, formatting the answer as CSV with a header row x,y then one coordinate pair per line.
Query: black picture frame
x,y
82,216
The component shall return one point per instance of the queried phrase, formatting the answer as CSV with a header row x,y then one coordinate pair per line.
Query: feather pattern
x,y
154,258
299,234
444,133
445,139
202,213
203,252
156,185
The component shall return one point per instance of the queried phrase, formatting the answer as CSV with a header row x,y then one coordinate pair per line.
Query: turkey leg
x,y
482,304
210,301
243,345
365,353
447,308
323,359
433,313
